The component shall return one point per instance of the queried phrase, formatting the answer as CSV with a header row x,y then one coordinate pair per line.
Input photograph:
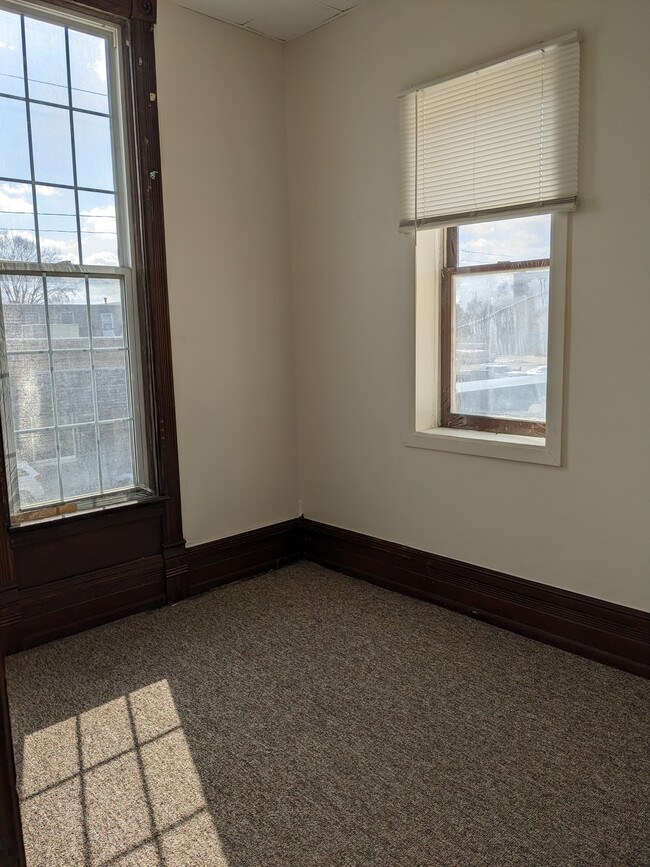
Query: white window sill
x,y
509,447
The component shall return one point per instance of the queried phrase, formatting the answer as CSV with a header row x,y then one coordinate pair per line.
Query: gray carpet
x,y
304,718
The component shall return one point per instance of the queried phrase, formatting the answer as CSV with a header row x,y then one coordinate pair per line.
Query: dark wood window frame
x,y
449,418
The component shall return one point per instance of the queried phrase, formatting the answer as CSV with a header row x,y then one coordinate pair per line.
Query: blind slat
x,y
502,137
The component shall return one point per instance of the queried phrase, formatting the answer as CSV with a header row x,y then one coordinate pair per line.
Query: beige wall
x,y
221,98
585,526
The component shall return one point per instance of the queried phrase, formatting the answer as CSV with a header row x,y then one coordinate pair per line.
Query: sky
x,y
518,239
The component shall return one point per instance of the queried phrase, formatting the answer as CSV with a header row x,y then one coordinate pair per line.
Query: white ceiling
x,y
278,19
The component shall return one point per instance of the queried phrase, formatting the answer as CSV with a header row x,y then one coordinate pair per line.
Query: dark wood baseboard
x,y
64,607
45,610
599,630
243,555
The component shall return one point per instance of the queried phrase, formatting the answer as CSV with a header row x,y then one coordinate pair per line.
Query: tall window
x,y
70,385
490,162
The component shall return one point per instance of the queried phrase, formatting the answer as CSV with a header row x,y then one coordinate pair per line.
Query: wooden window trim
x,y
461,421
136,19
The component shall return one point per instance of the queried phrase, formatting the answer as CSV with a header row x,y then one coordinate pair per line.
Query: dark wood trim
x,y
80,602
12,850
147,184
608,633
38,611
176,568
244,555
116,10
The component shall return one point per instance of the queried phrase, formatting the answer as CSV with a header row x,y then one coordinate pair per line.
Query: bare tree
x,y
27,288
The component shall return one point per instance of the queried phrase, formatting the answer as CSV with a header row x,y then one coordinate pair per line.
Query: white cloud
x,y
99,220
101,258
48,191
15,198
519,238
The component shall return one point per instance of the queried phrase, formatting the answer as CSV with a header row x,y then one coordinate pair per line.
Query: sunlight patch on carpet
x,y
120,782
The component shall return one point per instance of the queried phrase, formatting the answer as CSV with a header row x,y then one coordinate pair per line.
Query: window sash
x,y
112,33
448,417
134,396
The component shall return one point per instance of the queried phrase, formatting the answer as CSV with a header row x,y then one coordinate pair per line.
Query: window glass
x,y
16,222
57,224
11,55
46,61
88,71
66,342
52,144
14,146
516,240
501,343
94,154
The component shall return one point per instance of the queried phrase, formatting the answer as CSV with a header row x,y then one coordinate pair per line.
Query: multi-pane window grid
x,y
68,403
56,153
479,396
71,401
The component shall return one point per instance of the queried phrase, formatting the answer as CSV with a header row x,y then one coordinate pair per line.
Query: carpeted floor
x,y
305,719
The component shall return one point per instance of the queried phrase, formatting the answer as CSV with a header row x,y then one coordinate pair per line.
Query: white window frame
x,y
427,432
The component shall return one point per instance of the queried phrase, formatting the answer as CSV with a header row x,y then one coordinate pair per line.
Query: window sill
x,y
89,514
509,447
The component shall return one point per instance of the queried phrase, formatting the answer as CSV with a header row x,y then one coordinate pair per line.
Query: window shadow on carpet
x,y
116,785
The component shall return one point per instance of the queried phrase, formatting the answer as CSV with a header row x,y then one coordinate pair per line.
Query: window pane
x,y
112,385
14,147
92,138
16,216
11,54
73,387
116,454
88,71
21,289
57,224
38,480
31,392
106,313
46,61
24,320
79,469
51,142
68,313
98,228
500,353
517,240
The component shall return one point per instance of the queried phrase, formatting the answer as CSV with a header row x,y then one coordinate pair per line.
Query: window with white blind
x,y
489,174
70,383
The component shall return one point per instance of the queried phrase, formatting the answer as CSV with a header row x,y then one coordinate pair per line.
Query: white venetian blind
x,y
494,140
